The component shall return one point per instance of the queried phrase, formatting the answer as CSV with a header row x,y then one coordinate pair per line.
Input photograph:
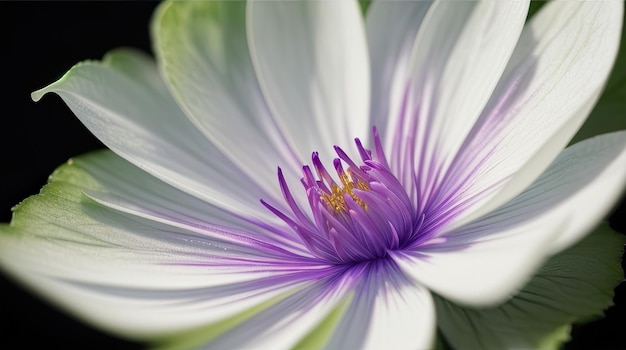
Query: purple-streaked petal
x,y
203,54
126,188
457,58
287,323
388,311
499,251
134,276
312,64
579,187
391,29
552,81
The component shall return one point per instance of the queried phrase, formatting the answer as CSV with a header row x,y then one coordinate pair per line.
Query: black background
x,y
39,42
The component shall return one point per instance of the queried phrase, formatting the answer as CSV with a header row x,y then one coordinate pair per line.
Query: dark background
x,y
39,42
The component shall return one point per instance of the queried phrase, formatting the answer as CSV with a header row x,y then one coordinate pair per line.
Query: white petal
x,y
501,250
312,64
203,53
147,128
127,275
580,187
554,78
483,264
128,310
388,312
128,189
391,30
457,58
138,65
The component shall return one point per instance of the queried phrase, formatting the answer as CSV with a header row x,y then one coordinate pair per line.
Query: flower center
x,y
362,216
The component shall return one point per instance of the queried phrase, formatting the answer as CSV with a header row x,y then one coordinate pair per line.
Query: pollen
x,y
336,199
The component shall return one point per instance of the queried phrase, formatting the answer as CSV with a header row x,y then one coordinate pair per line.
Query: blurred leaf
x,y
364,5
534,7
574,286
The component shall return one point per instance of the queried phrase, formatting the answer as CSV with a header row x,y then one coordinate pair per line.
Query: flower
x,y
462,190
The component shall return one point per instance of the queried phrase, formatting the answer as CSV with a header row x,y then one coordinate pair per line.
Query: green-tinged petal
x,y
202,51
197,337
572,286
131,276
319,336
388,311
134,63
286,323
131,112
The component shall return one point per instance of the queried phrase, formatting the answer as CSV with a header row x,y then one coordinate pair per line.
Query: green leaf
x,y
365,4
534,7
574,286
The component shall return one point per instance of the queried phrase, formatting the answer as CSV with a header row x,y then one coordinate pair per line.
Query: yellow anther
x,y
336,200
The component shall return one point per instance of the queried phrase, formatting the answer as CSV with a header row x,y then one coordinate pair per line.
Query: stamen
x,y
359,214
349,180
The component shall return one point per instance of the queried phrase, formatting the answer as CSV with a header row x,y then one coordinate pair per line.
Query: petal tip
x,y
38,94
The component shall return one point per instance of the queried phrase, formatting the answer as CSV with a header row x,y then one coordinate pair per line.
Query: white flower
x,y
466,191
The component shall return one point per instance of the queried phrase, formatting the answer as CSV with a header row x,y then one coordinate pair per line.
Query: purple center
x,y
360,217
